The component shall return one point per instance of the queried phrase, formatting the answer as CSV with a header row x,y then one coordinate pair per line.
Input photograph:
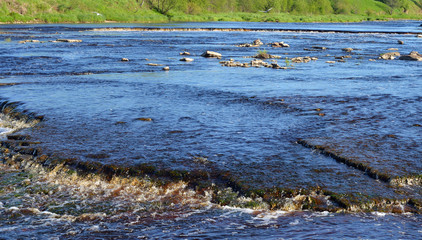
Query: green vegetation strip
x,y
98,11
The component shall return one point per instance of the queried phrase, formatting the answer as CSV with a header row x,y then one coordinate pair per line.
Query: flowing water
x,y
329,148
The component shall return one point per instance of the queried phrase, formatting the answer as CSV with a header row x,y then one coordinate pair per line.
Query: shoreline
x,y
234,17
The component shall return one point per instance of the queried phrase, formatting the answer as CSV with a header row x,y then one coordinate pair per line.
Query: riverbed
x,y
329,148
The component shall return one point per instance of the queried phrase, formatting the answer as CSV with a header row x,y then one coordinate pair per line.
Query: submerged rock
x,y
185,53
347,49
413,56
166,68
125,60
154,64
389,56
211,54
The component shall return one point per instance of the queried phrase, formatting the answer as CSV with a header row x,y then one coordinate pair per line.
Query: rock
x,y
372,60
343,57
154,64
186,59
255,43
166,68
347,49
303,59
392,49
280,44
258,42
265,55
211,54
69,40
413,56
389,56
185,53
30,40
330,62
125,60
419,36
144,119
318,48
400,42
253,63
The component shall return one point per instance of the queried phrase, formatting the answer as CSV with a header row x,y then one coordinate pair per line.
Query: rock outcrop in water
x,y
413,56
256,43
279,45
390,56
211,54
253,63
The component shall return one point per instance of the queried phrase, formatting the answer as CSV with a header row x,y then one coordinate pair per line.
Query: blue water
x,y
245,121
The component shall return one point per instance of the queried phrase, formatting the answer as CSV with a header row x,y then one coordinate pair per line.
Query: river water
x,y
255,126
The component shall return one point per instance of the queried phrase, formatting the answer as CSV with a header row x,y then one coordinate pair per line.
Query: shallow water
x,y
240,121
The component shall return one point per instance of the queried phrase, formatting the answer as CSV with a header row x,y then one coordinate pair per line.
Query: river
x,y
325,149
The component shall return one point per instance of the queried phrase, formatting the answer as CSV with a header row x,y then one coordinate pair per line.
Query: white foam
x,y
4,132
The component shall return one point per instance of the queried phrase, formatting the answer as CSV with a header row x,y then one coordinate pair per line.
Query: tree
x,y
162,6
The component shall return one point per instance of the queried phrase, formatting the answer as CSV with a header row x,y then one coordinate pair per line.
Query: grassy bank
x,y
98,11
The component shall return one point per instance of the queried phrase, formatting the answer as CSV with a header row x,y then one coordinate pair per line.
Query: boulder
x,y
211,54
257,42
413,56
347,49
125,60
265,55
280,44
185,53
400,42
389,56
166,68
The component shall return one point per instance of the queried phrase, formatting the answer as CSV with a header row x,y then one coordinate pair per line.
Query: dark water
x,y
244,121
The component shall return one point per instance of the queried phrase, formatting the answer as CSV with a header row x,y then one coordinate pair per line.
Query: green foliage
x,y
206,10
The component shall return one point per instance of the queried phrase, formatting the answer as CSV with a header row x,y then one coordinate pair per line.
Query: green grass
x,y
85,11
